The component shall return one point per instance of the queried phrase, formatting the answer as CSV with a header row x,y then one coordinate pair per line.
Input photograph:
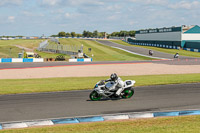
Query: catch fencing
x,y
56,47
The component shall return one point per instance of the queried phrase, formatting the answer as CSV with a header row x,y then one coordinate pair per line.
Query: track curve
x,y
140,50
76,103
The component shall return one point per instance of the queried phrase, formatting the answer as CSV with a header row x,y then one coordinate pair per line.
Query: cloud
x,y
10,2
131,22
11,19
103,15
185,5
70,2
50,2
113,17
86,2
114,7
152,2
32,14
67,15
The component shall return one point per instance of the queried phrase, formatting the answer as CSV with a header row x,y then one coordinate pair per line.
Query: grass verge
x,y
5,45
16,86
169,51
186,124
99,51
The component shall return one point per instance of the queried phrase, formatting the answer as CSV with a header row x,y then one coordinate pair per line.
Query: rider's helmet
x,y
113,76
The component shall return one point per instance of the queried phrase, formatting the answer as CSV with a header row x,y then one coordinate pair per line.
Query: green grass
x,y
184,124
170,51
51,55
16,86
100,52
5,46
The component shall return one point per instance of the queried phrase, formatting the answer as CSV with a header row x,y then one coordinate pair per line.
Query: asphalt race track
x,y
22,107
76,103
140,50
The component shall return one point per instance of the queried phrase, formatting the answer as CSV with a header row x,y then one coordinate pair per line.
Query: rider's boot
x,y
119,91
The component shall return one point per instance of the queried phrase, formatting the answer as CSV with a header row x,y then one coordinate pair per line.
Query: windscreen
x,y
109,84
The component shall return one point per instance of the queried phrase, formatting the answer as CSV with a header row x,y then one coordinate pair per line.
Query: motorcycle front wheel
x,y
128,93
94,96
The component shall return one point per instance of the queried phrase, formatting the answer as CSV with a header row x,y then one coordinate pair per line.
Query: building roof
x,y
194,29
160,30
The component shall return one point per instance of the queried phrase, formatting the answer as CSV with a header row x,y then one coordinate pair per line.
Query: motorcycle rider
x,y
176,55
119,84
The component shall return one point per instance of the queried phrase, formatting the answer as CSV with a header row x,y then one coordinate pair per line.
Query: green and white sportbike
x,y
110,90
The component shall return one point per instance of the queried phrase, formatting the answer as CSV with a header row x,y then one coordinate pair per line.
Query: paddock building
x,y
185,37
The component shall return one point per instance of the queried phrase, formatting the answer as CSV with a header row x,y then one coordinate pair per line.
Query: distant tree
x,y
115,34
123,33
132,33
54,35
79,35
85,33
101,34
73,34
19,36
95,33
62,34
68,34
90,34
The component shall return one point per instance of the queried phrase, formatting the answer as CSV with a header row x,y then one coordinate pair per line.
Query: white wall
x,y
167,36
192,36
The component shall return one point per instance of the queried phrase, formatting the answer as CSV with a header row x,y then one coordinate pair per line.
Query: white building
x,y
172,37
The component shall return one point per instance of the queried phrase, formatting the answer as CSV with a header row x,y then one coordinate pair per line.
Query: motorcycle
x,y
102,90
176,55
151,52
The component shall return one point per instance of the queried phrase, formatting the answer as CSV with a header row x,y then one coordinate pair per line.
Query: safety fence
x,y
55,47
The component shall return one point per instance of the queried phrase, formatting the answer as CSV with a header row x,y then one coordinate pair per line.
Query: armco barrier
x,y
164,46
14,60
191,49
96,119
81,60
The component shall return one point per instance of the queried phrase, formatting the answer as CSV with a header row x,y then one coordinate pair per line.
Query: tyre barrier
x,y
25,124
14,60
191,49
49,59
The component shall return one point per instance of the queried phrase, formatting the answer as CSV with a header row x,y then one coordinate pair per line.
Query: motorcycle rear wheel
x,y
128,93
94,96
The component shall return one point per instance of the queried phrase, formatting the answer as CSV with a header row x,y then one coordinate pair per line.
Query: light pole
x,y
10,52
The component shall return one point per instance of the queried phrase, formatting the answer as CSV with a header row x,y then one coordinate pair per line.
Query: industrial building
x,y
185,37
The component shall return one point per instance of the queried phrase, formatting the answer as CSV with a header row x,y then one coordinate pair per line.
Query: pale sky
x,y
37,17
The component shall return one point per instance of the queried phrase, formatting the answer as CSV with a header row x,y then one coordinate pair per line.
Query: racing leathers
x,y
119,84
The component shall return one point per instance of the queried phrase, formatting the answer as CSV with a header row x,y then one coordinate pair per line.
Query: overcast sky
x,y
37,17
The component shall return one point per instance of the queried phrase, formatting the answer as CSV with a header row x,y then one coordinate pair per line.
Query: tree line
x,y
96,34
